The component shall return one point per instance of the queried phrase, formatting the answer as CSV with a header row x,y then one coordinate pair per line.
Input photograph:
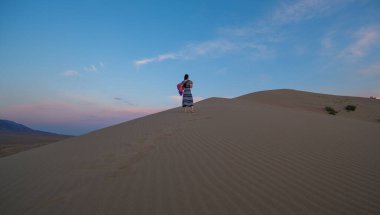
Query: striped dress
x,y
187,98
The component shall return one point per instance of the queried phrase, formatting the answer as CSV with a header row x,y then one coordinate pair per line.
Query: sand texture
x,y
271,152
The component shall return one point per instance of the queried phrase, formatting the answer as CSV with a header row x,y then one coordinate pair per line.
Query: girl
x,y
187,98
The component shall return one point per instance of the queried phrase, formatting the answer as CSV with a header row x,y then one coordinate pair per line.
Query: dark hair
x,y
186,77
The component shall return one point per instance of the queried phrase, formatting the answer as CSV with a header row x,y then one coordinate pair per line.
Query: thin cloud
x,y
91,68
365,39
302,10
159,58
70,73
211,48
124,101
192,51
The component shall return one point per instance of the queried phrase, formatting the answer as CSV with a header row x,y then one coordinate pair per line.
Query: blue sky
x,y
75,66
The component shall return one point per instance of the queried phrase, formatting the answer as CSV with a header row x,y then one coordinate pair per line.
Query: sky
x,y
72,67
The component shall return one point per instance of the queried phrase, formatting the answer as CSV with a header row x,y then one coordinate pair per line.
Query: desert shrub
x,y
350,107
331,110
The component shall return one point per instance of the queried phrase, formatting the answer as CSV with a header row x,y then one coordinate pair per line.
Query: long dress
x,y
187,98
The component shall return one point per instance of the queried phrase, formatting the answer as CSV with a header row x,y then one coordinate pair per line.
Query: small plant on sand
x,y
330,110
350,108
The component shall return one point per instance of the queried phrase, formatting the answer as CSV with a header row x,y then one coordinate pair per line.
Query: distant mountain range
x,y
10,126
15,137
6,125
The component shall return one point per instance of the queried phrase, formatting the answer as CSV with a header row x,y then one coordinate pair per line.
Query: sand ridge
x,y
234,156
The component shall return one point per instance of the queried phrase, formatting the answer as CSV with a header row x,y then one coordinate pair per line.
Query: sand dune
x,y
271,152
368,109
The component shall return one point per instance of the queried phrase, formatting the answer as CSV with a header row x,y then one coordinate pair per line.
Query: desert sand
x,y
270,152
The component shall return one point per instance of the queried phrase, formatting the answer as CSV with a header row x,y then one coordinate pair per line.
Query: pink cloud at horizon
x,y
56,114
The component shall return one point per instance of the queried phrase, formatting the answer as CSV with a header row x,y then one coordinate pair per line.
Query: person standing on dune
x,y
187,98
